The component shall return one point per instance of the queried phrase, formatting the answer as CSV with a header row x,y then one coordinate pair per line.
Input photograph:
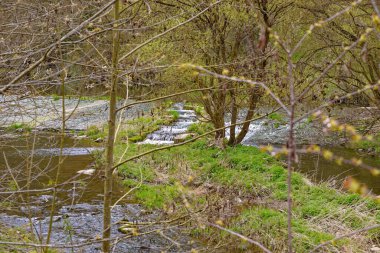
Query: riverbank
x,y
245,189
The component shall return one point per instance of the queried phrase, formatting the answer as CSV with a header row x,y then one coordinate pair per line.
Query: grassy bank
x,y
369,146
246,190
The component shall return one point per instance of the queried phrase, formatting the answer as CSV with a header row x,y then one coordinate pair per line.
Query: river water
x,y
44,150
78,216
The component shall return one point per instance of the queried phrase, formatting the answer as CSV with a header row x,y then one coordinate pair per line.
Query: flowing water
x,y
169,134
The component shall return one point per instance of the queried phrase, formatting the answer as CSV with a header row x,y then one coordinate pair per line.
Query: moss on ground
x,y
320,212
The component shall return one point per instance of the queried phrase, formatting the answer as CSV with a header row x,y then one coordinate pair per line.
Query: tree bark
x,y
251,111
234,113
111,135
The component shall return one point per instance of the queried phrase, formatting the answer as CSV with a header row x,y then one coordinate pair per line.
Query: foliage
x,y
174,114
271,225
15,234
137,129
337,55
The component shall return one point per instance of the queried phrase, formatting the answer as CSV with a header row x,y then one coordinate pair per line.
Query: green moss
x,y
15,234
55,97
174,114
136,138
277,117
137,129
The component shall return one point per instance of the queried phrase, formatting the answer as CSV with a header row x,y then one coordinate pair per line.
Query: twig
x,y
241,80
242,237
167,31
345,235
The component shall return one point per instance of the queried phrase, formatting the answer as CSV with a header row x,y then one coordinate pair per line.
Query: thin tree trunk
x,y
249,116
291,153
234,112
111,136
60,159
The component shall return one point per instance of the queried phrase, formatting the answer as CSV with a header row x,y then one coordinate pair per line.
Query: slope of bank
x,y
245,190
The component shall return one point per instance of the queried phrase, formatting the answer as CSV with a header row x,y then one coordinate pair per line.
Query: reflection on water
x,y
320,169
16,157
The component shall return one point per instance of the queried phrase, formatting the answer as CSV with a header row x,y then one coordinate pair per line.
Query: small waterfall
x,y
169,134
261,132
266,131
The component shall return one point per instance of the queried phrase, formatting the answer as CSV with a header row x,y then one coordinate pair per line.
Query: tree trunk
x,y
251,112
111,136
234,113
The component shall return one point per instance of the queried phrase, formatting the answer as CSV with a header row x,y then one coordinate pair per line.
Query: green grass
x,y
55,97
319,210
15,234
94,132
271,227
157,196
174,114
277,118
19,126
373,145
200,128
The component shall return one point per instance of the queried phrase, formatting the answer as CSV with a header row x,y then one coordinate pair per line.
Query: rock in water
x,y
180,138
